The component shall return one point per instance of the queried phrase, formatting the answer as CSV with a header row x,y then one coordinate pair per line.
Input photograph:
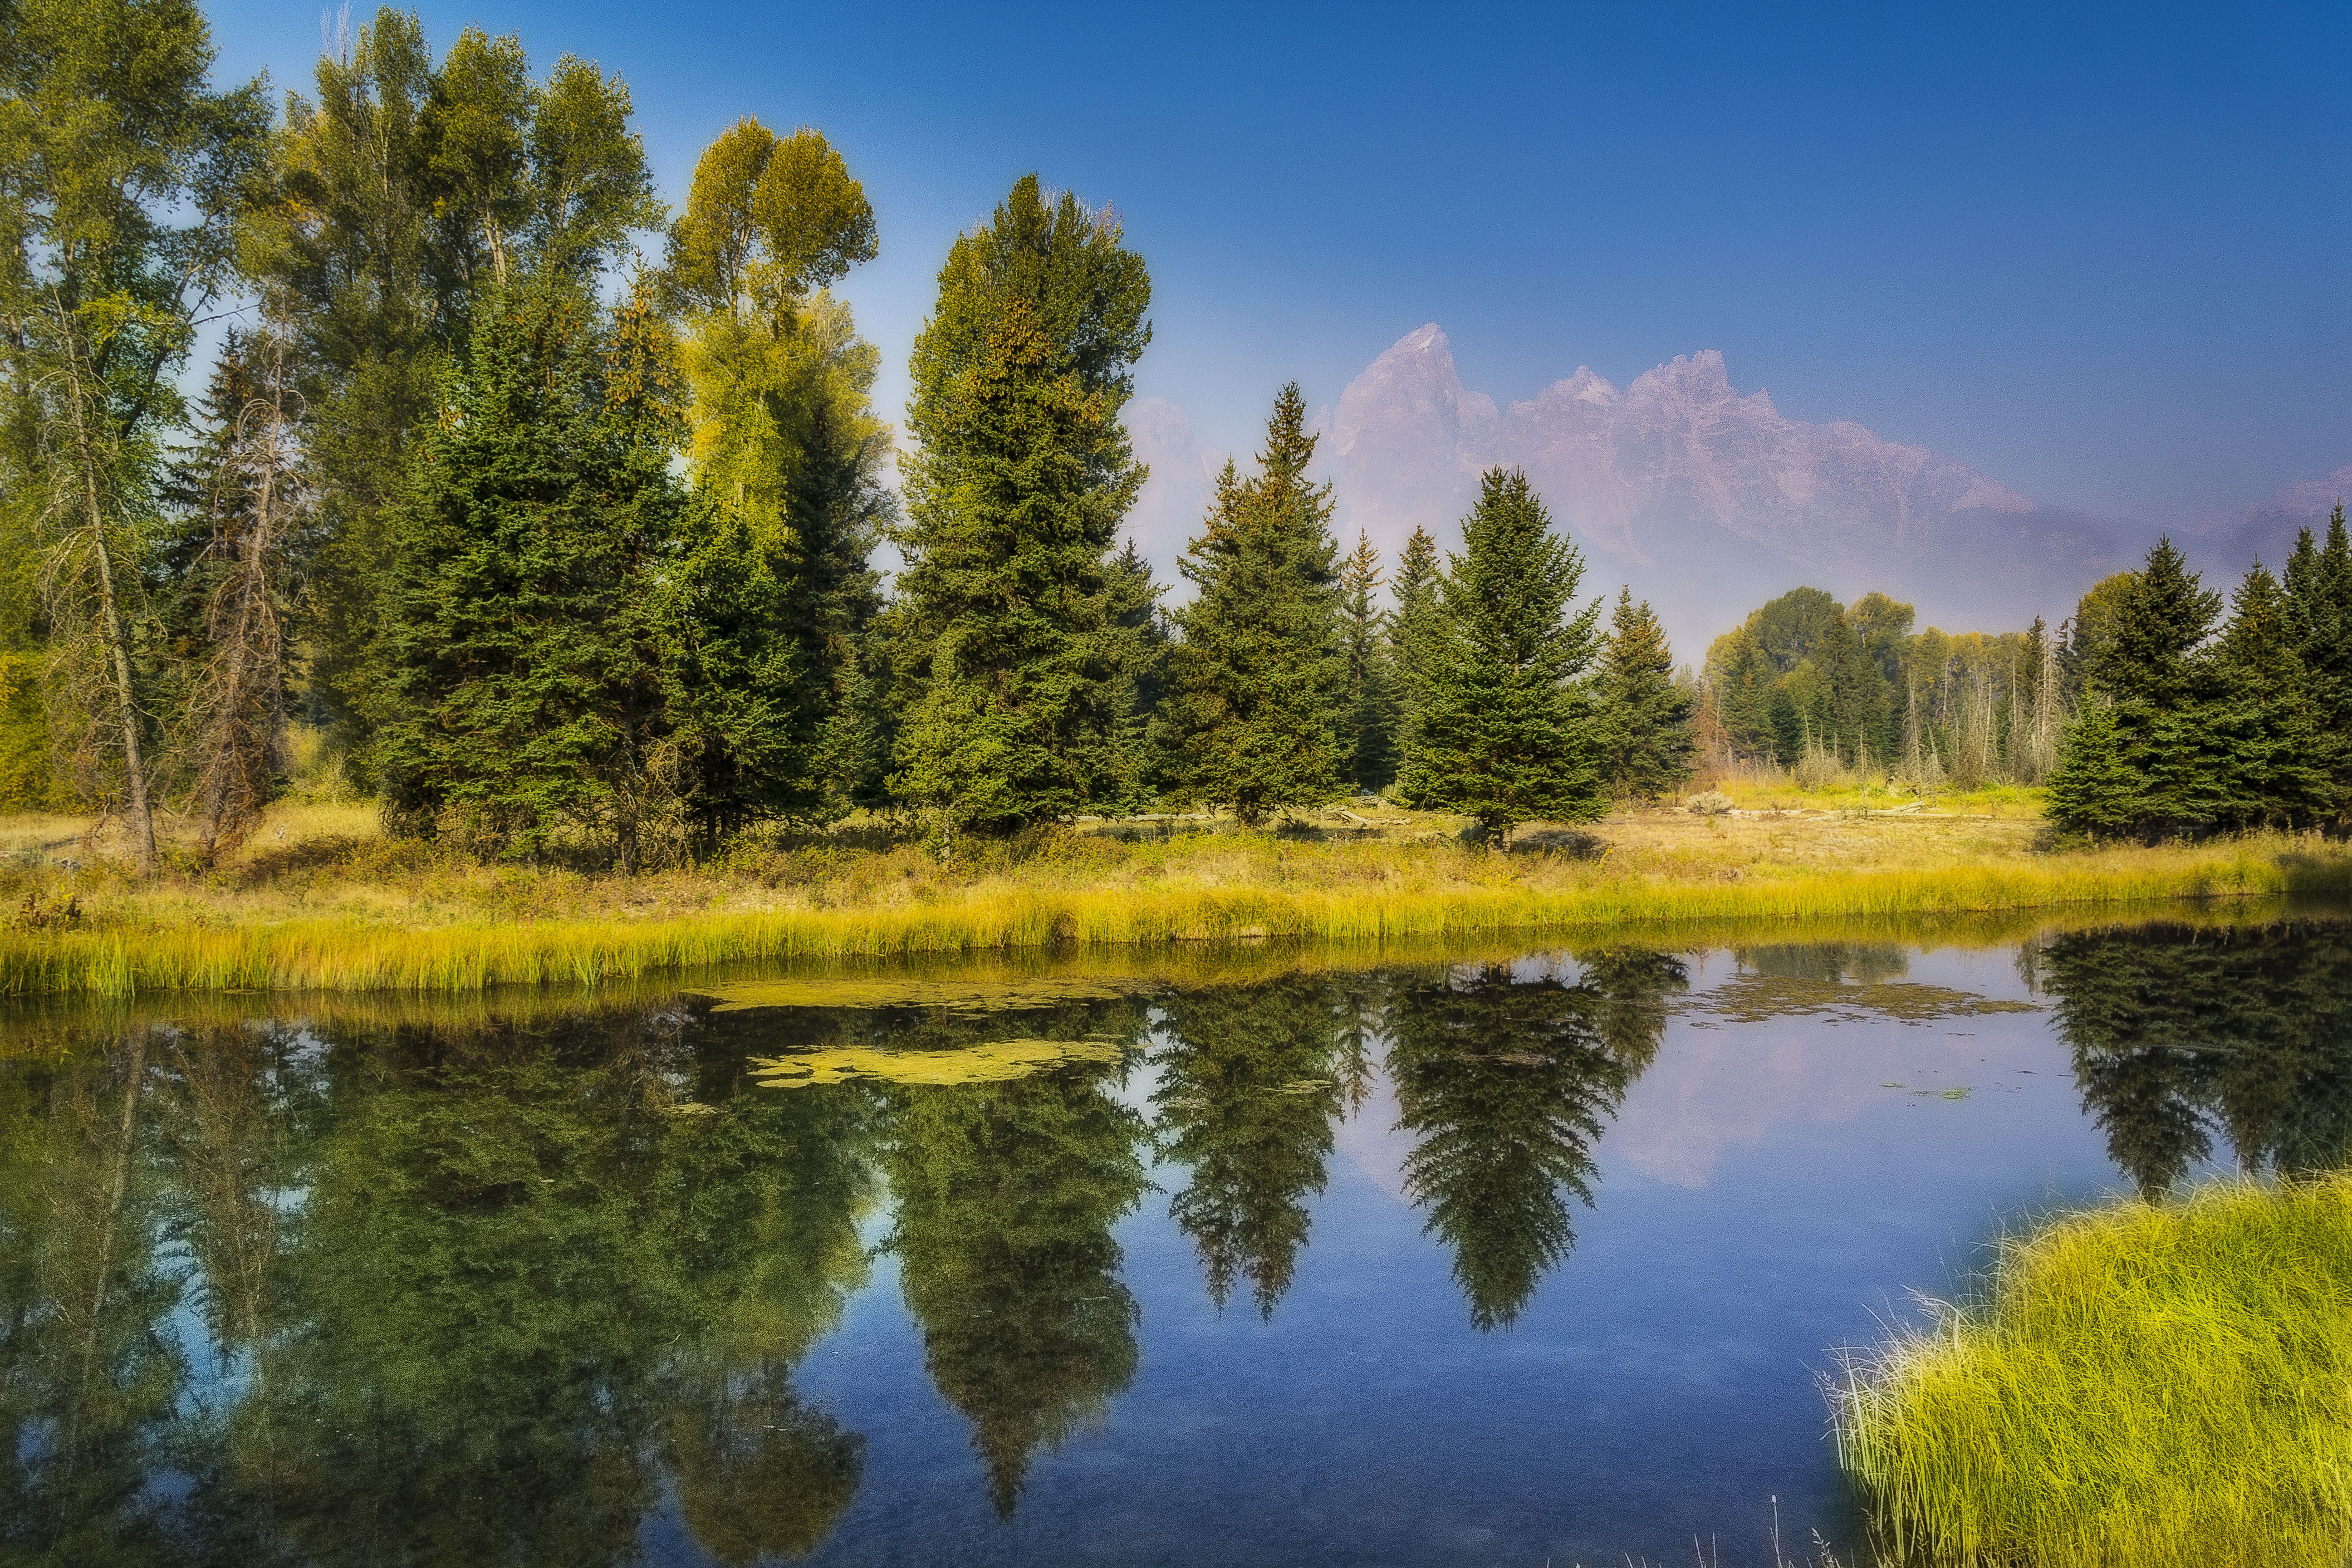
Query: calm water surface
x,y
1487,1259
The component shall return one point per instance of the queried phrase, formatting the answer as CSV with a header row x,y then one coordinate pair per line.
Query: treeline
x,y
1823,688
2192,723
555,511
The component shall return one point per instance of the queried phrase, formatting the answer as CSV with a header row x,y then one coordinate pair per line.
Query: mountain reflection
x,y
2180,1034
375,1290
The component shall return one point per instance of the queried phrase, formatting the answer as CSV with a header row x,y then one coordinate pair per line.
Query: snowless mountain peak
x,y
1708,500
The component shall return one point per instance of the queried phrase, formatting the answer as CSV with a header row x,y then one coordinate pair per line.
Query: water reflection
x,y
385,1289
2179,1035
1506,1084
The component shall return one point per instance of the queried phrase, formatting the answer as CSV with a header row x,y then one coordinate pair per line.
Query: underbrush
x,y
2150,1384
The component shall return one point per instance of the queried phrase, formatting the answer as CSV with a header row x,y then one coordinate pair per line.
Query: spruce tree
x,y
2146,756
1505,732
1368,706
1646,719
1013,658
527,614
2318,590
1255,713
2264,716
1414,589
2094,789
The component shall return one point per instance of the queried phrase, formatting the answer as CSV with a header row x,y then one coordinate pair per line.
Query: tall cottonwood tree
x,y
1504,733
1014,654
784,436
401,189
1255,713
123,174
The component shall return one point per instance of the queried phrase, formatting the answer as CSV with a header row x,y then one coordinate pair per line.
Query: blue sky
x,y
2104,255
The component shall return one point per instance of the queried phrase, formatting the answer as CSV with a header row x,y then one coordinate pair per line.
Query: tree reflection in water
x,y
1248,1093
2180,1034
501,1290
1508,1083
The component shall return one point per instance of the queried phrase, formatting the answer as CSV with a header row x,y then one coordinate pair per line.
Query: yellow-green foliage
x,y
992,1061
2148,1384
26,781
354,953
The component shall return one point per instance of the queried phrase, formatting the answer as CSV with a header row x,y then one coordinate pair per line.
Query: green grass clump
x,y
2147,1385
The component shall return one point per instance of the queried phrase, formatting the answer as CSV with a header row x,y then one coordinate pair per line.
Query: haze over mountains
x,y
1706,500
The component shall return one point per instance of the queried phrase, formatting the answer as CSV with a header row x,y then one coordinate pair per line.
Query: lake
x,y
1491,1255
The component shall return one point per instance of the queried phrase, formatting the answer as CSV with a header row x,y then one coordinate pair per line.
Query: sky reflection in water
x,y
1481,1262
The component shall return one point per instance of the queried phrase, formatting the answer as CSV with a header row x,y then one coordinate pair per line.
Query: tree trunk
x,y
110,623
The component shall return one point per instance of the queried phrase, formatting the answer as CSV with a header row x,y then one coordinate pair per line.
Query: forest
x,y
555,519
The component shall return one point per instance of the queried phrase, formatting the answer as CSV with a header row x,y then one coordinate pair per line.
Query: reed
x,y
2151,1384
352,952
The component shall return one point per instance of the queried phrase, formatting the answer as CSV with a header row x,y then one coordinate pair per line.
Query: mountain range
x,y
1705,500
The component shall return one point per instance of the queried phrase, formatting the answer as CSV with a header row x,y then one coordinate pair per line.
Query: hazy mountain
x,y
1708,502
2266,531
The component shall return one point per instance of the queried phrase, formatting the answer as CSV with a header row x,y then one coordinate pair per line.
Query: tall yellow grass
x,y
2149,1385
356,955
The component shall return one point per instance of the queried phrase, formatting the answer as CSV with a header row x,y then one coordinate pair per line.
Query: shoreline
x,y
128,956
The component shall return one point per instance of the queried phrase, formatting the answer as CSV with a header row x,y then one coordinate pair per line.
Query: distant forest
x,y
546,516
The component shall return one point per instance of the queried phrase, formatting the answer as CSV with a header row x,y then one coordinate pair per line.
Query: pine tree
x,y
1367,728
1644,718
1505,734
1258,692
1414,589
1014,672
527,617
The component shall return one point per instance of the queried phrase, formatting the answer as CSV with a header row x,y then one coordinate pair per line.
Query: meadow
x,y
2148,1384
319,898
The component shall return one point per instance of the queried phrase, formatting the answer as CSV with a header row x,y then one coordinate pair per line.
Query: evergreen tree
x,y
1368,728
400,193
2263,715
2319,621
2153,761
1257,712
2148,655
1504,732
527,616
247,507
1014,673
1644,718
1414,589
2094,789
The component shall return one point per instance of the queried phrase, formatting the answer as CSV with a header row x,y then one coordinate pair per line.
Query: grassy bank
x,y
321,900
2146,1385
